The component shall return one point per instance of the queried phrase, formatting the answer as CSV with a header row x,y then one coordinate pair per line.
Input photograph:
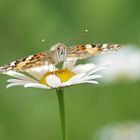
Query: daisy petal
x,y
69,63
20,76
92,77
97,69
14,84
107,64
76,78
16,81
35,85
65,84
38,72
102,67
92,82
53,81
85,68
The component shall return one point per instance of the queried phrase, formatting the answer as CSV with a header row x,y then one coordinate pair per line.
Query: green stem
x,y
60,95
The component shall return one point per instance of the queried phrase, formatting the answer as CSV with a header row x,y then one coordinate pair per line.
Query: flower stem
x,y
60,95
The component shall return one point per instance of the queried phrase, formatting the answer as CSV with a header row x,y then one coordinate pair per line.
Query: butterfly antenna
x,y
77,36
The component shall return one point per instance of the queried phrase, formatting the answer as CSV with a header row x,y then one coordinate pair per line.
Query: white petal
x,y
17,81
91,77
69,63
14,84
102,67
84,68
65,84
36,75
38,72
76,78
95,70
107,64
92,82
34,85
20,76
53,81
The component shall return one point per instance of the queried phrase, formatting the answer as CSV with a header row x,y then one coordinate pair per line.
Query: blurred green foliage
x,y
32,114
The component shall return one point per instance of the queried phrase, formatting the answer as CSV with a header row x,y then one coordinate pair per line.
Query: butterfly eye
x,y
62,52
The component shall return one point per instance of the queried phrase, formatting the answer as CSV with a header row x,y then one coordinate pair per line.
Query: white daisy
x,y
42,77
125,64
120,131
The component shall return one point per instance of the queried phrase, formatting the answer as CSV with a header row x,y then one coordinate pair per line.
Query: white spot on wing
x,y
104,46
12,63
29,58
88,46
116,46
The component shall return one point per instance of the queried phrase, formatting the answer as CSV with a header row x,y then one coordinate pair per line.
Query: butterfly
x,y
58,53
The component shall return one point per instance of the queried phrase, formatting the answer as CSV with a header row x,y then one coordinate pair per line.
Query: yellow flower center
x,y
63,74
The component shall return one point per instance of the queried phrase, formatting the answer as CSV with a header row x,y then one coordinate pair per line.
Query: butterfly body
x,y
58,53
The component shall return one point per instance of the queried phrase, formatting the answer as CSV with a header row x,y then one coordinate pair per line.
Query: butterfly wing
x,y
49,57
88,50
31,61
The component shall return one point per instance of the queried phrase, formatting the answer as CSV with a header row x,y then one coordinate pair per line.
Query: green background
x,y
32,114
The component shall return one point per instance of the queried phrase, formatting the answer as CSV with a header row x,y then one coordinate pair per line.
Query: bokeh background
x,y
32,114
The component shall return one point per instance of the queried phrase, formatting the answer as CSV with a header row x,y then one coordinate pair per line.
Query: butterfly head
x,y
60,52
